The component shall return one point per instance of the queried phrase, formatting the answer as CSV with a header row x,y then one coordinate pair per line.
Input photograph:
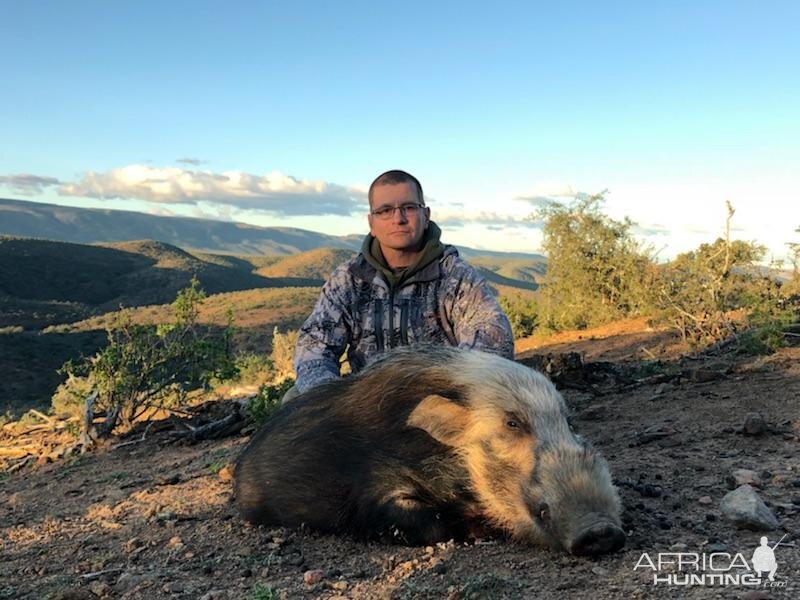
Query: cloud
x,y
27,184
273,193
650,229
547,194
191,161
492,220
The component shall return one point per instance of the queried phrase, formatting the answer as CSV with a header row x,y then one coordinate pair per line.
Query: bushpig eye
x,y
512,424
543,512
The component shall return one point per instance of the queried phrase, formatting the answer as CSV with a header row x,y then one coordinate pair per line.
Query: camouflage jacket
x,y
446,302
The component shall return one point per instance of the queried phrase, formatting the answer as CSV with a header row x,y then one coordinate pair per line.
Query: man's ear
x,y
443,419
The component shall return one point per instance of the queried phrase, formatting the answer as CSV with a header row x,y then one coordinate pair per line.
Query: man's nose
x,y
399,215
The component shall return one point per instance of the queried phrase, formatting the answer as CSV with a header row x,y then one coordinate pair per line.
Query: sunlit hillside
x,y
314,264
44,282
520,269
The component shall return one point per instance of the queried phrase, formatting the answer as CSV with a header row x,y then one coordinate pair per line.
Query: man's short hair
x,y
394,177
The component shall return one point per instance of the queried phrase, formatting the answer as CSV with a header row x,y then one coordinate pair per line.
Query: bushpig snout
x,y
582,506
602,537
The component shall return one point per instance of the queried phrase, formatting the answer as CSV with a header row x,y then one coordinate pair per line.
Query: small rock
x,y
100,588
439,568
175,587
663,388
744,508
705,375
168,480
74,594
246,573
594,413
705,500
678,547
648,490
755,595
429,550
652,433
296,560
598,570
128,581
339,585
406,566
175,542
716,547
741,476
132,544
753,424
226,473
312,576
213,595
166,515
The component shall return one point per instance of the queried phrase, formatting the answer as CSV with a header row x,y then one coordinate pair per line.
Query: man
x,y
404,288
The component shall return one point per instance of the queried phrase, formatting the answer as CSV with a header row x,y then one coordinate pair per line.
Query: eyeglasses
x,y
387,212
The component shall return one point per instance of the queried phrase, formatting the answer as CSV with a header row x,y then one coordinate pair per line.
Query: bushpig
x,y
426,445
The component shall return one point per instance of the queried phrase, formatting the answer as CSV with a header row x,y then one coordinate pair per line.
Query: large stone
x,y
744,508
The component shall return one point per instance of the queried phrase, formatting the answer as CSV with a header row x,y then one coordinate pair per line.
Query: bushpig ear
x,y
443,419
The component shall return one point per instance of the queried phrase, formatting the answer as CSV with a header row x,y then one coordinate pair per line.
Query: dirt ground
x,y
154,519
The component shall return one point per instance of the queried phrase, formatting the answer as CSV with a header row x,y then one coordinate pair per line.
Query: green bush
x,y
254,368
522,313
596,271
769,311
719,290
282,355
145,367
267,401
70,397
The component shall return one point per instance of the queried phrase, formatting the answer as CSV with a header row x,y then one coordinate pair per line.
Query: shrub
x,y
69,399
282,355
769,311
145,367
596,270
254,368
268,400
522,313
697,292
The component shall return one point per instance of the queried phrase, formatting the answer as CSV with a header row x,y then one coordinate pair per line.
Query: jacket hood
x,y
432,249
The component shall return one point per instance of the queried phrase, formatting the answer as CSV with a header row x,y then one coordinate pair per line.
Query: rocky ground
x,y
154,519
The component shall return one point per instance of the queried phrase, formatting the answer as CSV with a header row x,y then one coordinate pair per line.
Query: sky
x,y
279,113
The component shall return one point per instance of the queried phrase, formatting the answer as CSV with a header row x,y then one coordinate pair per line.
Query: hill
x,y
314,264
45,282
91,225
529,269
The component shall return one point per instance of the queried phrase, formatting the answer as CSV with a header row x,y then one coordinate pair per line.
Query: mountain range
x,y
93,225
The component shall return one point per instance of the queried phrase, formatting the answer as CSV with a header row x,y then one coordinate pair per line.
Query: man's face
x,y
403,230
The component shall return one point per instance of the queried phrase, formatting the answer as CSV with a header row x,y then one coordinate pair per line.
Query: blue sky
x,y
281,114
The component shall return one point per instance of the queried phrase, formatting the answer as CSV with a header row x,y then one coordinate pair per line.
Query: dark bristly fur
x,y
335,457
